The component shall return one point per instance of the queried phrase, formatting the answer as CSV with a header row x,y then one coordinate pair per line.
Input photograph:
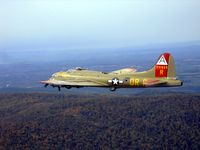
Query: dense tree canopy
x,y
68,121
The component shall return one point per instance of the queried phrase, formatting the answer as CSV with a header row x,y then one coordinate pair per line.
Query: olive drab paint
x,y
162,74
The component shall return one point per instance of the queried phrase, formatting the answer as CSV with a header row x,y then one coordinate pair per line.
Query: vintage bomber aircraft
x,y
163,74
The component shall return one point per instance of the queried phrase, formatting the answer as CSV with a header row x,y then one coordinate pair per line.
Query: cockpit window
x,y
104,72
79,68
76,69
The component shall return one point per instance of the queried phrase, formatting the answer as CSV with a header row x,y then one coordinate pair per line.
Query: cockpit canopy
x,y
79,68
76,69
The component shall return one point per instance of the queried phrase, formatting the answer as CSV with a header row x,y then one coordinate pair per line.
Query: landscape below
x,y
34,117
99,121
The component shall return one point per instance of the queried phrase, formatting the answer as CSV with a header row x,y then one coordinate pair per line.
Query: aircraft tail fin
x,y
164,67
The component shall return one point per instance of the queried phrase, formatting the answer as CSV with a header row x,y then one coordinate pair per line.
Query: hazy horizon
x,y
69,25
38,38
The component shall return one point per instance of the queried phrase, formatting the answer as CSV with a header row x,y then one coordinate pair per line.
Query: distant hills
x,y
22,69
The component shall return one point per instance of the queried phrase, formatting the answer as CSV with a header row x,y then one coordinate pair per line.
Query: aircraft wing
x,y
74,83
153,82
124,71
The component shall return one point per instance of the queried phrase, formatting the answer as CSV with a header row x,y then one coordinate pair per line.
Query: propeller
x,y
46,85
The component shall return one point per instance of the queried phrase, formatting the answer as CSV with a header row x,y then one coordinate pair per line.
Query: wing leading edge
x,y
74,83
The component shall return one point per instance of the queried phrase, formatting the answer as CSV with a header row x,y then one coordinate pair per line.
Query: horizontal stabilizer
x,y
152,82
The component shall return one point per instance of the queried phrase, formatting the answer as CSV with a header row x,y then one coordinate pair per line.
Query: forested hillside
x,y
99,121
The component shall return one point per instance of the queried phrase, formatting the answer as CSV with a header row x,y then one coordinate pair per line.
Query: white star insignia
x,y
115,81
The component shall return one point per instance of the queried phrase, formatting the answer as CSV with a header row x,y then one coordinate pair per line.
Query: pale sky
x,y
48,24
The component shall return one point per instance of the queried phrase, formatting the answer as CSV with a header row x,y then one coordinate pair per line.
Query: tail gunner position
x,y
163,74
